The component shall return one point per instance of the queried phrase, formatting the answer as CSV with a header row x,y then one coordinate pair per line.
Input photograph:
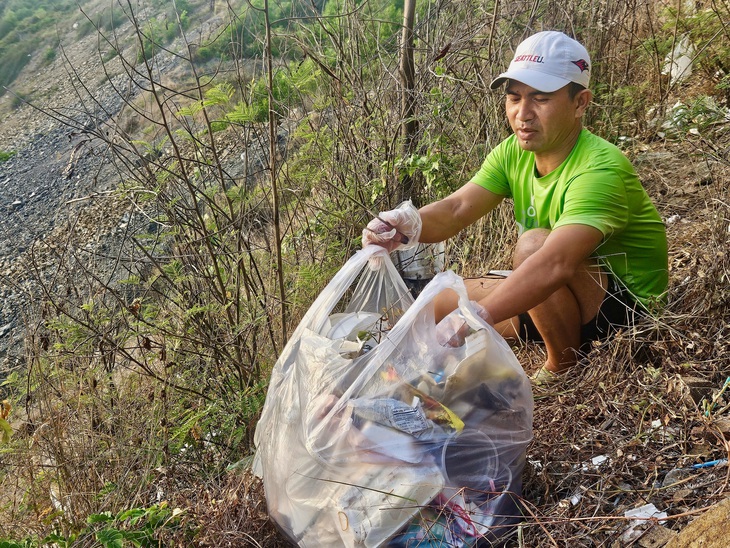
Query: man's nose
x,y
524,110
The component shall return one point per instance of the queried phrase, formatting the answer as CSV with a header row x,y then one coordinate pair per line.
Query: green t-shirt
x,y
597,186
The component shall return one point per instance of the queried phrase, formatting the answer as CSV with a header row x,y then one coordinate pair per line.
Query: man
x,y
592,249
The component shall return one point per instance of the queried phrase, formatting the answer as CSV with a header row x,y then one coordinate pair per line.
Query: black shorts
x,y
617,310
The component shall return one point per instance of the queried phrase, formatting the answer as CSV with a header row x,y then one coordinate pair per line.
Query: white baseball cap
x,y
547,61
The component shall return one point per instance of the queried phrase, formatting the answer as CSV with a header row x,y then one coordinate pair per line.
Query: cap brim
x,y
533,78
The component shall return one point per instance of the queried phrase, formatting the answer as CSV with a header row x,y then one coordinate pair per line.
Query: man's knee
x,y
528,244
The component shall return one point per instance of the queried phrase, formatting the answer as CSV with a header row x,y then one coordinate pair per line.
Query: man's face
x,y
543,122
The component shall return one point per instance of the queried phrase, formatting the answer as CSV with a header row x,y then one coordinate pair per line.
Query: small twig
x,y
526,507
553,521
84,198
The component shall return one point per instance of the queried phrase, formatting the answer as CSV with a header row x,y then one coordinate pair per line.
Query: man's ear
x,y
582,100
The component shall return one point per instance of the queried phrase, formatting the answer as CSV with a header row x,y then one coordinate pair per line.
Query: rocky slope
x,y
57,187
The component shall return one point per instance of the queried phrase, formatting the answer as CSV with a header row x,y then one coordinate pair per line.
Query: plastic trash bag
x,y
371,428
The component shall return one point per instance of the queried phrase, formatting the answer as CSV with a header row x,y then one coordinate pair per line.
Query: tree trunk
x,y
409,125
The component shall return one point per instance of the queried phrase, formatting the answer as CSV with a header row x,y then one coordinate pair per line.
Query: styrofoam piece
x,y
348,325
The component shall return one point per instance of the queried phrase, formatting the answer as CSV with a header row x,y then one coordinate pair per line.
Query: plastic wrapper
x,y
373,434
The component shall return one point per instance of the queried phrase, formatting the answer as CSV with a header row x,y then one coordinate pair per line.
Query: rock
x,y
710,530
656,536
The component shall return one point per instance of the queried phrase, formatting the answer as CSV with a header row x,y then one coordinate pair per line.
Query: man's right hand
x,y
453,329
395,229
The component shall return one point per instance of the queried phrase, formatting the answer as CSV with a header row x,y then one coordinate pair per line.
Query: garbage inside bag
x,y
373,434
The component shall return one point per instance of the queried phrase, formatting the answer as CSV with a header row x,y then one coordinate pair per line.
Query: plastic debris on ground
x,y
644,516
373,434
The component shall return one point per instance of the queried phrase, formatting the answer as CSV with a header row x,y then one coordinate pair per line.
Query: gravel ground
x,y
59,179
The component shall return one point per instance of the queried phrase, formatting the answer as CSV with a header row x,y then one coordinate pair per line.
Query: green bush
x,y
85,27
14,61
141,527
49,56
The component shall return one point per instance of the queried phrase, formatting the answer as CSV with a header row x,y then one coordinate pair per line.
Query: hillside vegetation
x,y
244,143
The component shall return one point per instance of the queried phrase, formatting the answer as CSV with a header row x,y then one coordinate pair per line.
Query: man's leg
x,y
560,316
558,319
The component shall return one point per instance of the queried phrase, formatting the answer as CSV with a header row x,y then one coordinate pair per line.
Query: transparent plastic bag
x,y
369,421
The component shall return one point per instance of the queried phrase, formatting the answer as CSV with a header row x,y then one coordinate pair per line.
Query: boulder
x,y
710,530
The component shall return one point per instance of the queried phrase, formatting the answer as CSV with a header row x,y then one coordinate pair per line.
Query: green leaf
x,y
139,538
110,538
219,94
4,156
243,113
107,489
191,110
6,431
133,514
13,544
56,540
12,378
99,518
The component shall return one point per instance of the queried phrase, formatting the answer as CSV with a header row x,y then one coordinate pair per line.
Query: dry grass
x,y
230,512
639,400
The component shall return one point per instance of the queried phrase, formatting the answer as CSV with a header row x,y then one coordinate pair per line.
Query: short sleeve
x,y
493,175
596,198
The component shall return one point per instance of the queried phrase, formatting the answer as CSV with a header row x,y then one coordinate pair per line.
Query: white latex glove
x,y
398,228
453,329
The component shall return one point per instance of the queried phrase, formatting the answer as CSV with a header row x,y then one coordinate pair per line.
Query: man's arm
x,y
447,217
565,250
